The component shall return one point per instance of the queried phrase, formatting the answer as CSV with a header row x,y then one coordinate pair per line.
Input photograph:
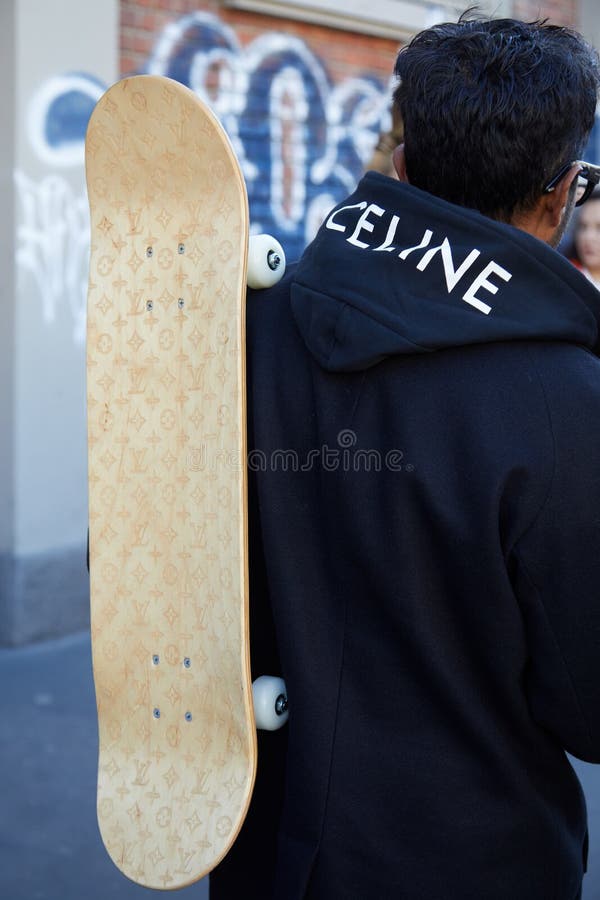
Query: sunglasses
x,y
587,179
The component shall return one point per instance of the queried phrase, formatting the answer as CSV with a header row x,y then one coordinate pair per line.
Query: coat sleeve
x,y
556,572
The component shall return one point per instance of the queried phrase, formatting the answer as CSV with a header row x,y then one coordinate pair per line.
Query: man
x,y
431,548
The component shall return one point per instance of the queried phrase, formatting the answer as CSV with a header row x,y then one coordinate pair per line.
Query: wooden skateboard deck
x,y
167,482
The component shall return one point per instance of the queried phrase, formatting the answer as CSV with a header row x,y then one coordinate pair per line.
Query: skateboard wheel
x,y
266,261
270,702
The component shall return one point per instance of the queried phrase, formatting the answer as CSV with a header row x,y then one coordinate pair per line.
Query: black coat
x,y
424,426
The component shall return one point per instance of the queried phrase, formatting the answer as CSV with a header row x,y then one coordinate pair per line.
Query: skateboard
x,y
167,481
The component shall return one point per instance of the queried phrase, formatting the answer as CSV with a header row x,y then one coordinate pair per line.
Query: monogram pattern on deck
x,y
167,494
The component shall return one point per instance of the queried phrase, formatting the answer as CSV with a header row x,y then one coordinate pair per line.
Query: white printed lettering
x,y
363,224
452,275
391,234
482,281
424,243
333,225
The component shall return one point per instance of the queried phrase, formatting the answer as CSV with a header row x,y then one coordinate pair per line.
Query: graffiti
x,y
57,118
302,143
53,245
53,227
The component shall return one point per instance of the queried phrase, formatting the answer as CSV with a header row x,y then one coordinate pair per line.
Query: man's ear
x,y
556,201
546,217
399,161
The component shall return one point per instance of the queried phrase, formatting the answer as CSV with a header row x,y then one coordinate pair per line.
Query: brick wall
x,y
343,52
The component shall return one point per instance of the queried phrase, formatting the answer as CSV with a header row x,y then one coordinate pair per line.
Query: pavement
x,y
50,848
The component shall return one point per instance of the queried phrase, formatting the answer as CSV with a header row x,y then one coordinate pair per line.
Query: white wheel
x,y
266,261
270,702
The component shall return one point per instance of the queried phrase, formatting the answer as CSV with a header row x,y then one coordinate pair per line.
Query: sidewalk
x,y
50,848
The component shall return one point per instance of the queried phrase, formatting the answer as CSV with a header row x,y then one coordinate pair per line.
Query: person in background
x,y
382,159
584,250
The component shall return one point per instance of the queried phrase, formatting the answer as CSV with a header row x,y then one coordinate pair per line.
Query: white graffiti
x,y
53,245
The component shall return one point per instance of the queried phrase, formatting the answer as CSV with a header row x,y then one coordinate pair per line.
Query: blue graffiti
x,y
58,116
69,112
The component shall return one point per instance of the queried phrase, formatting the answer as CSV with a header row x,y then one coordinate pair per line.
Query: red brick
x,y
343,54
129,65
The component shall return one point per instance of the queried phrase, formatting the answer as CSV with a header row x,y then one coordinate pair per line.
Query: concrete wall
x,y
7,306
43,485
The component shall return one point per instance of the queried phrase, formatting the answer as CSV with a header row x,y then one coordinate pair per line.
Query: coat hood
x,y
394,270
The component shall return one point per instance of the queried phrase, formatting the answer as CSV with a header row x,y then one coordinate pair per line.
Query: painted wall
x,y
302,141
43,583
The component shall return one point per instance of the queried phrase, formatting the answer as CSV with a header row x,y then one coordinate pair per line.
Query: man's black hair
x,y
493,108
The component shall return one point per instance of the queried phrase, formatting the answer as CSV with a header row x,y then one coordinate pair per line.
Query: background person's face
x,y
587,235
